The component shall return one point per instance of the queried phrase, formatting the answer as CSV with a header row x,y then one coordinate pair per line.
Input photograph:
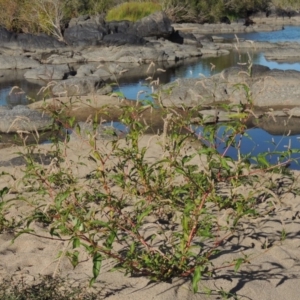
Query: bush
x,y
154,215
132,11
17,15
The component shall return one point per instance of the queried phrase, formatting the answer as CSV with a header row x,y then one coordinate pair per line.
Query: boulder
x,y
28,41
86,70
78,86
22,118
48,72
118,26
192,92
156,24
17,62
181,37
5,35
85,34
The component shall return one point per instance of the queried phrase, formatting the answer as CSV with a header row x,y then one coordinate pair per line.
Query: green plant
x,y
160,206
156,218
132,11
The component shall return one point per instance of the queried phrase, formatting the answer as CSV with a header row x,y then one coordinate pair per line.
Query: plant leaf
x,y
196,278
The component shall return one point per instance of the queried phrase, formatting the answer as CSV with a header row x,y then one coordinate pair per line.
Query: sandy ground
x,y
272,272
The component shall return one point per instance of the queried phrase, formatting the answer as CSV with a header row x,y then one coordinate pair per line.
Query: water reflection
x,y
14,90
131,87
289,33
256,142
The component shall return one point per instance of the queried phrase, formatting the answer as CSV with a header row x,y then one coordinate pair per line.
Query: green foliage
x,y
107,214
47,16
202,11
74,8
132,11
286,4
160,217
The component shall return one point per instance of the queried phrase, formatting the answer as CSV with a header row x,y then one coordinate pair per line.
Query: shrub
x,y
17,15
156,217
132,11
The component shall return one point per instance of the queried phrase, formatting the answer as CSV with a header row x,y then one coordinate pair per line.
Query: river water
x,y
259,141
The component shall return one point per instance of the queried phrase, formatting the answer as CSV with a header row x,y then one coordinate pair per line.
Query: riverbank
x,y
261,253
93,67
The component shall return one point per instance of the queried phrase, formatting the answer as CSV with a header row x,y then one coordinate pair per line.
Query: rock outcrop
x,y
90,31
157,25
28,41
85,34
258,85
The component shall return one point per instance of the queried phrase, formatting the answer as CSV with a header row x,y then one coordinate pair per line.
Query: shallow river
x,y
261,141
